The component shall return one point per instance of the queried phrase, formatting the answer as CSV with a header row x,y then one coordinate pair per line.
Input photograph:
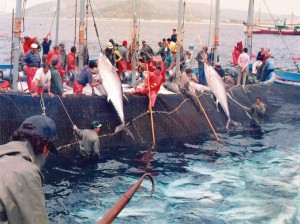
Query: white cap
x,y
34,46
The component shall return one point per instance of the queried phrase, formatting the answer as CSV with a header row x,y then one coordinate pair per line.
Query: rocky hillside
x,y
149,9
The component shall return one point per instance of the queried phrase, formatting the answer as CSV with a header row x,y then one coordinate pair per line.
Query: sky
x,y
279,7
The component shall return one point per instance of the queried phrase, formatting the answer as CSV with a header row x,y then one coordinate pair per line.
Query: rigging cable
x,y
296,65
95,25
193,21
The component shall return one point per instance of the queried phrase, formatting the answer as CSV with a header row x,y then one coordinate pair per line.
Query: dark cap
x,y
54,61
61,45
92,64
96,124
143,42
42,126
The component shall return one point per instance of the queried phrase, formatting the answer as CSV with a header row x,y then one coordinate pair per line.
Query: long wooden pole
x,y
216,34
113,212
179,41
204,112
150,110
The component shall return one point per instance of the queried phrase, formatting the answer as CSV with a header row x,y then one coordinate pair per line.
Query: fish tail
x,y
122,127
228,123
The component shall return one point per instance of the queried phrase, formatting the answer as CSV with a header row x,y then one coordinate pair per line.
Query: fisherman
x,y
118,56
257,111
28,41
146,52
165,42
22,199
161,50
72,59
90,143
56,84
123,49
219,70
155,81
46,46
259,59
169,61
186,77
201,58
63,56
32,62
172,46
54,53
109,53
243,62
188,59
85,77
40,79
269,68
174,36
211,57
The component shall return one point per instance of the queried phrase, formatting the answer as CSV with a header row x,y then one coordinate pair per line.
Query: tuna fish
x,y
113,87
215,83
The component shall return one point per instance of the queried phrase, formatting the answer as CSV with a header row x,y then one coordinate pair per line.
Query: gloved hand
x,y
74,127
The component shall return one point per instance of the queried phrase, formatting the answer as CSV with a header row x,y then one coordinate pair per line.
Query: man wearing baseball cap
x,y
90,142
32,61
22,198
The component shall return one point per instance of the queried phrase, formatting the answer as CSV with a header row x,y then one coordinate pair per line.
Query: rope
x,y
42,103
193,21
52,21
48,7
95,25
296,65
65,109
239,105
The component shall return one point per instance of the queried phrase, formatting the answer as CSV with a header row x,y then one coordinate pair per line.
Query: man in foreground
x,y
22,199
257,111
90,143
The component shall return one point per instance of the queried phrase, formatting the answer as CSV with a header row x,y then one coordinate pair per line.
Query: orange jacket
x,y
52,55
71,61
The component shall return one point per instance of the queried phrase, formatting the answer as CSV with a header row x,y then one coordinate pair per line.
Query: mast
x,y
134,42
81,33
57,21
217,30
179,41
249,27
16,43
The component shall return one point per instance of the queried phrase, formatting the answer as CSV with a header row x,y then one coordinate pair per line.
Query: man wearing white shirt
x,y
243,62
41,77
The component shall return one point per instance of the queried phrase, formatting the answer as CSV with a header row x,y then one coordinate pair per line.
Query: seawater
x,y
248,177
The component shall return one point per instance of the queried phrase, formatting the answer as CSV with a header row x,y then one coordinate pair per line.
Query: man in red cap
x,y
46,46
22,199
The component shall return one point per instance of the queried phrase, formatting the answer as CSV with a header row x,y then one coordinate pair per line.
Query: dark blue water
x,y
250,177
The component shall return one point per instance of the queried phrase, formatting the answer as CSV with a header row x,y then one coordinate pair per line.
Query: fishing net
x,y
175,115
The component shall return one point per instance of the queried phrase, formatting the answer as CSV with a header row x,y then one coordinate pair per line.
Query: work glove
x,y
74,127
